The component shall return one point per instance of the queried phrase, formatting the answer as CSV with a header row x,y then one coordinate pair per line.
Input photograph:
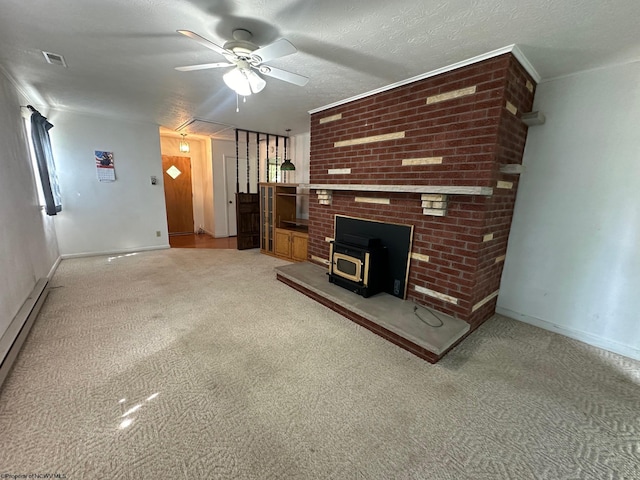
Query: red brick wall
x,y
473,134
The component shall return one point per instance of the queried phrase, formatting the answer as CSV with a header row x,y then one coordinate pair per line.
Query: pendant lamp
x,y
287,165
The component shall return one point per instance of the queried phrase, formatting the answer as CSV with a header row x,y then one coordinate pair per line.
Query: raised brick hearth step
x,y
390,317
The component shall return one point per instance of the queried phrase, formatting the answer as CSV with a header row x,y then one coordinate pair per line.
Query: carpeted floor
x,y
193,363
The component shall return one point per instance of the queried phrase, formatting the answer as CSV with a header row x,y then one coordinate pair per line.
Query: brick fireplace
x,y
442,154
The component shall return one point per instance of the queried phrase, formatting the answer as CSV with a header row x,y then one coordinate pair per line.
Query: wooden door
x,y
248,220
178,193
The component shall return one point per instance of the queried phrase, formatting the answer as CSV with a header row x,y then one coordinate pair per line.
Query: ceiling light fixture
x,y
243,80
287,165
184,145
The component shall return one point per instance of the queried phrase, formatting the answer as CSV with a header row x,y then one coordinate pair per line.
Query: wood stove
x,y
359,264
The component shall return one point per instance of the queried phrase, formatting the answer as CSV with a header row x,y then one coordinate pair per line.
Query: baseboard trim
x,y
114,252
13,338
584,337
54,267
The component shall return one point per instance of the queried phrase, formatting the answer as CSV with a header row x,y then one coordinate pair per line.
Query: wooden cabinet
x,y
291,244
281,233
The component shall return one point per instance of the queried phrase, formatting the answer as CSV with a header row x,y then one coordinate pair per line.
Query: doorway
x,y
178,194
230,185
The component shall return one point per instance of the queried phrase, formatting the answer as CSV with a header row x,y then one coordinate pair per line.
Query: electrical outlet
x,y
158,233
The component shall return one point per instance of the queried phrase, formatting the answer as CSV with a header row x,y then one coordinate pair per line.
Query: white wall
x,y
101,217
573,261
28,248
200,170
301,152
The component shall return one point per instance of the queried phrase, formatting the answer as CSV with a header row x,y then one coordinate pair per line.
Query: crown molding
x,y
454,66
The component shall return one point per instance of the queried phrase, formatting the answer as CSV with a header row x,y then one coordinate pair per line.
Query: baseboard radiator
x,y
16,334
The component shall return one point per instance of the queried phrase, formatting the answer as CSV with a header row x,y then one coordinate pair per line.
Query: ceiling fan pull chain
x,y
237,103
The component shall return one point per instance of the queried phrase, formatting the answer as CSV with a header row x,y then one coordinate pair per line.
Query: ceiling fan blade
x,y
283,75
277,49
204,66
204,42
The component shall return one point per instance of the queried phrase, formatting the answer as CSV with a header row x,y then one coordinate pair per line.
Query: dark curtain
x,y
44,156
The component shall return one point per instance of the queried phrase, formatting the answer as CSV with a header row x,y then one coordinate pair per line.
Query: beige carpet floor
x,y
198,364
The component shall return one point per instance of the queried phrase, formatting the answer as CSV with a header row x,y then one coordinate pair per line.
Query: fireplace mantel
x,y
426,189
434,197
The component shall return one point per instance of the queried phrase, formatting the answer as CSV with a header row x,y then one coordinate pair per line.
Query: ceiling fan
x,y
247,58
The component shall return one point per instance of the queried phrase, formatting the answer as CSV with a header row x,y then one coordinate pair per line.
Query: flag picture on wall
x,y
104,166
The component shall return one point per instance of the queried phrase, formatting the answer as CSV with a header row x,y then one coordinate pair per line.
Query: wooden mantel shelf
x,y
425,189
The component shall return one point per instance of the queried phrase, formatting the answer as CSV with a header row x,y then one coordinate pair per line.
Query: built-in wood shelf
x,y
436,189
297,221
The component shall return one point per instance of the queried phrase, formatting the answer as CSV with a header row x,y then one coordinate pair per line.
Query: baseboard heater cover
x,y
12,340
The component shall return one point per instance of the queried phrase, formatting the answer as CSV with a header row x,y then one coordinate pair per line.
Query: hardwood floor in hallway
x,y
202,240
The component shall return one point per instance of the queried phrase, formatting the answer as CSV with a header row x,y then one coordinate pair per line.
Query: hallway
x,y
202,240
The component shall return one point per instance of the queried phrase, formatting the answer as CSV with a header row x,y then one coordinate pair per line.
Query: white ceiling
x,y
121,54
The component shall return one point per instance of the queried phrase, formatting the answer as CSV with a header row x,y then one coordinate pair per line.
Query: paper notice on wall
x,y
104,166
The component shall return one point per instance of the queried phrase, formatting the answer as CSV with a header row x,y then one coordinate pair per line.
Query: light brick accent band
x,y
374,138
500,258
485,300
434,294
332,118
435,205
420,257
421,161
488,237
321,260
432,197
507,185
529,86
380,201
339,171
511,108
462,92
511,168
324,197
433,212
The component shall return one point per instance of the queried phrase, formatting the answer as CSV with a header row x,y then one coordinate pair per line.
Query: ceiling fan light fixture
x,y
237,81
244,81
256,82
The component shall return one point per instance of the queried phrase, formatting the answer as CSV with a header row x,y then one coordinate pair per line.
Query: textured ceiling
x,y
121,54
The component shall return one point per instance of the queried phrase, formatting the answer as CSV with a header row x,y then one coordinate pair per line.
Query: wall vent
x,y
54,59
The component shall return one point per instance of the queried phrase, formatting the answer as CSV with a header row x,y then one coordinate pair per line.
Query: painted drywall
x,y
170,145
301,148
28,248
573,261
108,217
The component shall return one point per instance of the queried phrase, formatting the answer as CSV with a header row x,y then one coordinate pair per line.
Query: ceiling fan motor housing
x,y
242,46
